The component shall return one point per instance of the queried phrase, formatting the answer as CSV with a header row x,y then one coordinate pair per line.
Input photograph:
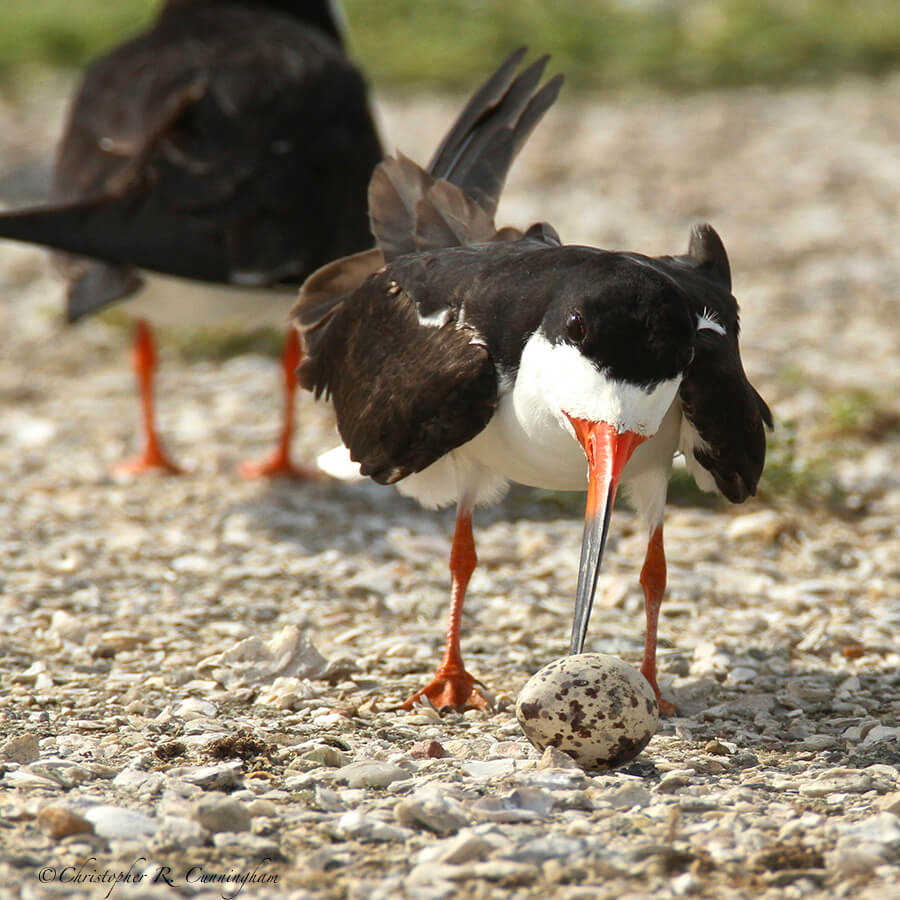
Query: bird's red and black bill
x,y
607,451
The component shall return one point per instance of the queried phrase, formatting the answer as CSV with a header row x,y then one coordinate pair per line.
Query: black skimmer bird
x,y
459,358
231,143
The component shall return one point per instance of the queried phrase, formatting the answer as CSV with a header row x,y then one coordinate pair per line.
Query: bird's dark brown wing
x,y
409,377
405,393
717,399
228,144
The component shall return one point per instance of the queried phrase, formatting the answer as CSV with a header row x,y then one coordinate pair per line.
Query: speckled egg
x,y
598,709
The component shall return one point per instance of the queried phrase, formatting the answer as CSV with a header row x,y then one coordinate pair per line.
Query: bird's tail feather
x,y
484,155
485,98
409,212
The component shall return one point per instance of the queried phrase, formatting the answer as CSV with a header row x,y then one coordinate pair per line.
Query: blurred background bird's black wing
x,y
229,143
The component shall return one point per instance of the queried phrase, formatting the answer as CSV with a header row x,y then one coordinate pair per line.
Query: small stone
x,y
139,781
833,781
627,796
882,828
117,824
434,879
882,734
709,660
262,808
432,807
819,742
302,782
552,758
552,846
717,748
65,772
464,847
524,804
556,779
866,844
675,780
253,661
195,708
23,748
286,693
684,884
177,833
510,750
253,846
890,803
764,525
217,814
330,718
354,825
423,715
489,769
23,778
427,750
807,823
573,800
59,822
742,675
504,870
326,755
370,774
29,676
122,641
221,776
66,627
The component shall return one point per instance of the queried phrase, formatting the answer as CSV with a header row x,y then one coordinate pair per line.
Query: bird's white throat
x,y
556,380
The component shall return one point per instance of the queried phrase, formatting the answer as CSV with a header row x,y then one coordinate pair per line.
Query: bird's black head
x,y
630,320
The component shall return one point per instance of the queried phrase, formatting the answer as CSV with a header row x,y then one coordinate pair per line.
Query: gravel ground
x,y
198,675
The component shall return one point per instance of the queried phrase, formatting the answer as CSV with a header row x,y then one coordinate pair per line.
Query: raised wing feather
x,y
455,201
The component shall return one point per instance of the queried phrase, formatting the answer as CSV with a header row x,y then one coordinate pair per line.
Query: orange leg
x,y
278,462
653,581
144,362
452,686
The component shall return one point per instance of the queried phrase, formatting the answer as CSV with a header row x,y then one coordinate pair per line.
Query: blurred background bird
x,y
229,144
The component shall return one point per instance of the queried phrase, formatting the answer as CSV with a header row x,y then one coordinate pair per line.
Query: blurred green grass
x,y
674,44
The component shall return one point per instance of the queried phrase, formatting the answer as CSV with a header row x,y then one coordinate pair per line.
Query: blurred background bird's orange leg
x,y
452,686
278,463
653,581
144,362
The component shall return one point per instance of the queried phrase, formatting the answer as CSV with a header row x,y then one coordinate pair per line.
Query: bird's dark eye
x,y
575,328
